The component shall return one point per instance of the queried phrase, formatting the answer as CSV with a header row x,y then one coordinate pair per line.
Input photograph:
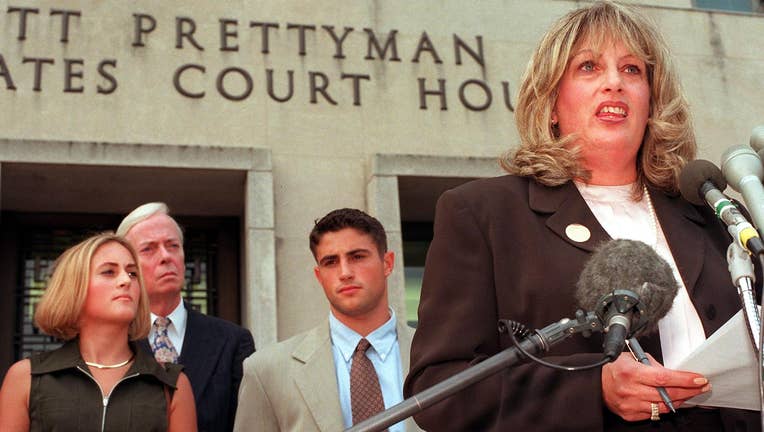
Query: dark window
x,y
39,250
417,197
416,238
730,5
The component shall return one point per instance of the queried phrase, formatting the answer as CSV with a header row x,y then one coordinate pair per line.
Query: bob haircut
x,y
669,141
59,309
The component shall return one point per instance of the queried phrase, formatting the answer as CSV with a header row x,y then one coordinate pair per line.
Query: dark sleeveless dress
x,y
65,397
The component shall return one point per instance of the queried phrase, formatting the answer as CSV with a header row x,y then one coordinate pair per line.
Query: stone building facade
x,y
252,118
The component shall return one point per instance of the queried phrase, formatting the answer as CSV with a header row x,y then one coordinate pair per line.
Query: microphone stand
x,y
537,342
761,360
742,272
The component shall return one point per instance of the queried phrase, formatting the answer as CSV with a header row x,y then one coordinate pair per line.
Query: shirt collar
x,y
382,339
178,317
609,194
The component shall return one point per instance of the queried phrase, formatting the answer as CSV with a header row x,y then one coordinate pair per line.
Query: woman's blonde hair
x,y
59,309
669,141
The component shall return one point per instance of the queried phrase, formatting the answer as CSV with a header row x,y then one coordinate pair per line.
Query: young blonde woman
x,y
98,380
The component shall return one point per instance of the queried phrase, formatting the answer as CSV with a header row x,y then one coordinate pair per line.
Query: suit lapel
x,y
199,355
405,334
404,345
567,209
680,221
317,380
682,226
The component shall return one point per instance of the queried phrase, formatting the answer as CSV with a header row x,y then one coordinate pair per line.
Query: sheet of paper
x,y
729,362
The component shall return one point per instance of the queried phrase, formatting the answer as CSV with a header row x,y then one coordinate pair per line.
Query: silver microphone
x,y
744,172
757,140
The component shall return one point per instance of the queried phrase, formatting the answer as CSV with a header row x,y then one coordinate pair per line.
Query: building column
x,y
259,297
382,202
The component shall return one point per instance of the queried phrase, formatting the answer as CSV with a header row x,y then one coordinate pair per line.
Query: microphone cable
x,y
513,328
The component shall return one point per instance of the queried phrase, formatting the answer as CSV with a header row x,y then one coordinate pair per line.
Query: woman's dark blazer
x,y
500,251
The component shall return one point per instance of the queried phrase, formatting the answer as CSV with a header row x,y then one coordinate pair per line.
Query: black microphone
x,y
698,178
630,287
703,182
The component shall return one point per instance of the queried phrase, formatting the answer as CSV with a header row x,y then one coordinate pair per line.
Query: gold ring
x,y
654,413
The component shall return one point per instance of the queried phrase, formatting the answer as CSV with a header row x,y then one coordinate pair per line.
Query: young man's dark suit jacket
x,y
212,356
501,251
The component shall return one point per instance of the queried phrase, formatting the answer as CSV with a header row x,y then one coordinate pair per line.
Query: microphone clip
x,y
618,304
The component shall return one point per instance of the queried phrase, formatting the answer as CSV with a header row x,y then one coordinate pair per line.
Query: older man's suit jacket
x,y
292,386
501,251
212,356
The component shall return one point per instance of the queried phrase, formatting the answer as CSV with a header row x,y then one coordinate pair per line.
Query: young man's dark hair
x,y
349,218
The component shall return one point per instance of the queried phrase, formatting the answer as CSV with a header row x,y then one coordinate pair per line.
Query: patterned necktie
x,y
164,351
365,393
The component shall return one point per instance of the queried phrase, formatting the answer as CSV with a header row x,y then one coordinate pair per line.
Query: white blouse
x,y
681,330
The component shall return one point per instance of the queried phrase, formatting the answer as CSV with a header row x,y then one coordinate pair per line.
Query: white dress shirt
x,y
384,354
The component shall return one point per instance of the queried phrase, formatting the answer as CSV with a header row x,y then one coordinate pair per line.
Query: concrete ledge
x,y
127,154
435,166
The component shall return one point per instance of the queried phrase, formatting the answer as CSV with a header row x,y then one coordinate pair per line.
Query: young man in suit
x,y
311,381
210,349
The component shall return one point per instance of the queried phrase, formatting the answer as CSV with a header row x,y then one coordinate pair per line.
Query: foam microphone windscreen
x,y
694,174
628,264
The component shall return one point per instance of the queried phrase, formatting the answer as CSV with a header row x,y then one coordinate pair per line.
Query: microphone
x,y
743,171
757,139
630,288
702,182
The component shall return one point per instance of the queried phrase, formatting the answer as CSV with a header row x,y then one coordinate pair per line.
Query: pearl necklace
x,y
651,210
112,366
